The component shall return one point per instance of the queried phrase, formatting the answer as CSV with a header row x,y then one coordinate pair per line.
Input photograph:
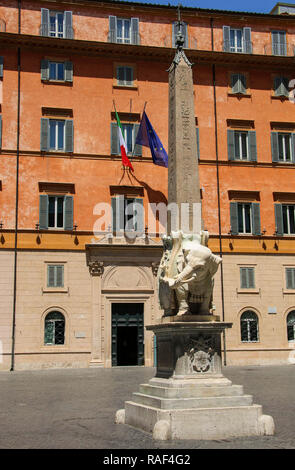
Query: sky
x,y
262,6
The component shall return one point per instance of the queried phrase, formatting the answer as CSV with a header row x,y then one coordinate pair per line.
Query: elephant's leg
x,y
182,295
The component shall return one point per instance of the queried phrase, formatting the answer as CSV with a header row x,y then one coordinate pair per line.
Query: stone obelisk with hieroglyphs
x,y
189,398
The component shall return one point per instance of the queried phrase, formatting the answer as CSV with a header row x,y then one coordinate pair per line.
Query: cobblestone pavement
x,y
75,409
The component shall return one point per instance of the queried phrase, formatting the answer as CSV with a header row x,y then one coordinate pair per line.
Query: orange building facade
x,y
75,294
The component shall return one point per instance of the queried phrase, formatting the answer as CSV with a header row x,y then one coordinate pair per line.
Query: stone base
x,y
180,409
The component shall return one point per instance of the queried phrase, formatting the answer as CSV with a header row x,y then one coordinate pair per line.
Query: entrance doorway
x,y
127,334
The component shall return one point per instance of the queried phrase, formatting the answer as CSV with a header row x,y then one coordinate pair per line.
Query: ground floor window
x,y
249,327
54,328
291,326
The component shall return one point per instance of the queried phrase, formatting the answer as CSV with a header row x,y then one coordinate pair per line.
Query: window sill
x,y
124,87
240,95
289,291
281,98
57,82
250,342
248,291
55,290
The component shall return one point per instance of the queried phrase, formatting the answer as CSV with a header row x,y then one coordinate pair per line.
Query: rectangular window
x,y
281,86
56,211
56,71
56,24
247,278
124,31
290,278
244,218
127,214
129,134
55,275
288,218
279,43
238,83
236,40
241,145
124,76
285,147
56,134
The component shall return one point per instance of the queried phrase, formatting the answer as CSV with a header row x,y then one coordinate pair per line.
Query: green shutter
x,y
231,144
68,71
243,278
281,86
275,146
120,76
251,279
69,135
198,143
44,69
252,146
50,276
68,212
44,22
129,76
115,149
118,214
293,147
277,86
235,83
247,40
59,276
226,38
137,148
112,29
44,144
255,212
134,31
174,33
0,131
1,66
279,219
43,212
234,221
69,34
139,226
290,278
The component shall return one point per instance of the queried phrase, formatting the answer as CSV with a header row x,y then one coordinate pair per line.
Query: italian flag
x,y
125,159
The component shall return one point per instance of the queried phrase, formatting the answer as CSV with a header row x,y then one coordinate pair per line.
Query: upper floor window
x,y
124,75
249,327
57,135
245,218
247,278
279,43
129,134
290,278
56,212
238,83
285,219
281,86
291,326
242,145
54,328
55,275
237,40
283,147
127,214
56,24
123,30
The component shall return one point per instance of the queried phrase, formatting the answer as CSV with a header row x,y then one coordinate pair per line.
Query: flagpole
x,y
145,103
123,167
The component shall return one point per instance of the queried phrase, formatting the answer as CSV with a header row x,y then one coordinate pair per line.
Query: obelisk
x,y
189,398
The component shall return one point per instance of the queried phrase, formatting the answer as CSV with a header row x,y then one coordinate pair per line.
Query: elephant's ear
x,y
214,262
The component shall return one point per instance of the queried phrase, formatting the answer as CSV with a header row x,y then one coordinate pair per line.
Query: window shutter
x,y
252,146
247,40
1,66
59,276
226,38
293,147
285,86
134,31
44,22
68,71
137,148
251,280
44,144
277,86
243,84
43,212
235,83
275,146
231,144
198,143
112,29
279,219
115,150
234,222
281,86
275,42
120,76
69,34
68,211
0,132
51,276
255,212
69,135
118,214
243,277
290,278
129,76
139,227
44,69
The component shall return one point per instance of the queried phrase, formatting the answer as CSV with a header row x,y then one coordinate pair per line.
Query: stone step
x,y
191,392
195,402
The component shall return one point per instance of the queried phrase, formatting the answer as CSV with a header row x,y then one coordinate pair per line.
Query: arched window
x,y
54,328
291,326
249,327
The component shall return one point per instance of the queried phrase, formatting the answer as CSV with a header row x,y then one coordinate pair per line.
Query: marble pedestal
x,y
189,398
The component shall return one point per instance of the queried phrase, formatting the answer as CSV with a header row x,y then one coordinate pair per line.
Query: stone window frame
x,y
254,310
284,279
65,288
132,65
251,290
55,347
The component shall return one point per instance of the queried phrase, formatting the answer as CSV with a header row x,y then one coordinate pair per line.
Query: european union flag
x,y
147,136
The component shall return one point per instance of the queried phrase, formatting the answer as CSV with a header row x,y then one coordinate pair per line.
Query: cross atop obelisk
x,y
183,172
